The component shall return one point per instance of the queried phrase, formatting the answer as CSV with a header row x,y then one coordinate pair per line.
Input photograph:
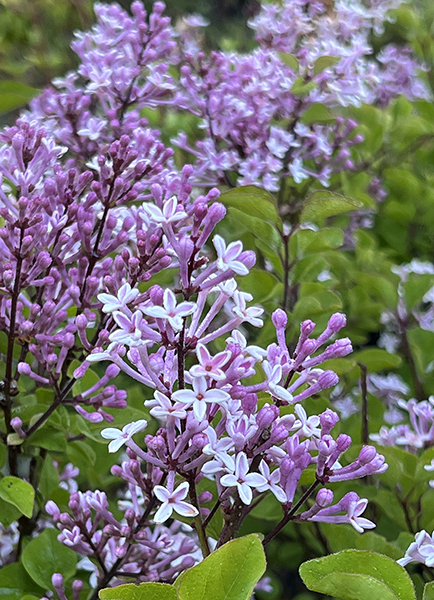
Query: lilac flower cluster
x,y
341,32
253,109
216,424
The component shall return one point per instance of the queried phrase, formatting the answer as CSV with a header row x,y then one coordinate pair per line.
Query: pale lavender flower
x,y
118,437
173,501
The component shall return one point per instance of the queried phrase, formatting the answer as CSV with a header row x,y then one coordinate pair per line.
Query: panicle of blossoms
x,y
150,552
245,103
61,228
309,30
420,432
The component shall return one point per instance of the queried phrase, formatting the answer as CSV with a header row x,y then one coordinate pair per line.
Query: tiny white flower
x,y
170,311
118,437
125,295
173,501
200,396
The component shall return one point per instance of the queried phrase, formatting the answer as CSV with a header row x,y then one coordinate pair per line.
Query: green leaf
x,y
358,575
377,359
14,95
8,513
45,555
428,591
49,438
229,573
324,62
253,201
290,61
144,591
317,113
259,283
15,583
258,226
19,493
321,205
302,88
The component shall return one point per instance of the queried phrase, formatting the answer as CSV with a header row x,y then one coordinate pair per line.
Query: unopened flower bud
x,y
279,319
324,498
337,322
367,454
328,379
267,415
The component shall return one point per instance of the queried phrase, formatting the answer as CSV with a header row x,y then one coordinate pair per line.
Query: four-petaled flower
x,y
274,376
200,396
272,479
162,407
169,213
170,311
173,501
353,517
118,437
242,479
210,365
308,425
119,302
227,256
249,315
130,332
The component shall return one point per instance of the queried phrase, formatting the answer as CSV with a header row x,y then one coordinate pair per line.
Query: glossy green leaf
x,y
377,359
15,583
45,555
8,513
321,205
19,493
324,62
48,438
144,591
14,95
229,573
253,201
358,575
258,226
428,591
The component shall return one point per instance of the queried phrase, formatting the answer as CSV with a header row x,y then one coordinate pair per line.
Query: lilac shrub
x,y
114,270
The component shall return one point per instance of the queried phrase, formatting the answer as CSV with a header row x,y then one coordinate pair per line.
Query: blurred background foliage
x,y
35,37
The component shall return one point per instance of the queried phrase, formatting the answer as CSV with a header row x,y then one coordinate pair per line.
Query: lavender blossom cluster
x,y
252,109
94,207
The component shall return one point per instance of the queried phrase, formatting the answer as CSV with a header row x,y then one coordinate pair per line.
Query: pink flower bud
x,y
337,322
279,319
324,498
328,379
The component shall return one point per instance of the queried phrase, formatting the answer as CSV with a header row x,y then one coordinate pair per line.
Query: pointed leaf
x,y
358,575
324,62
254,201
19,493
144,591
321,205
229,573
45,555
